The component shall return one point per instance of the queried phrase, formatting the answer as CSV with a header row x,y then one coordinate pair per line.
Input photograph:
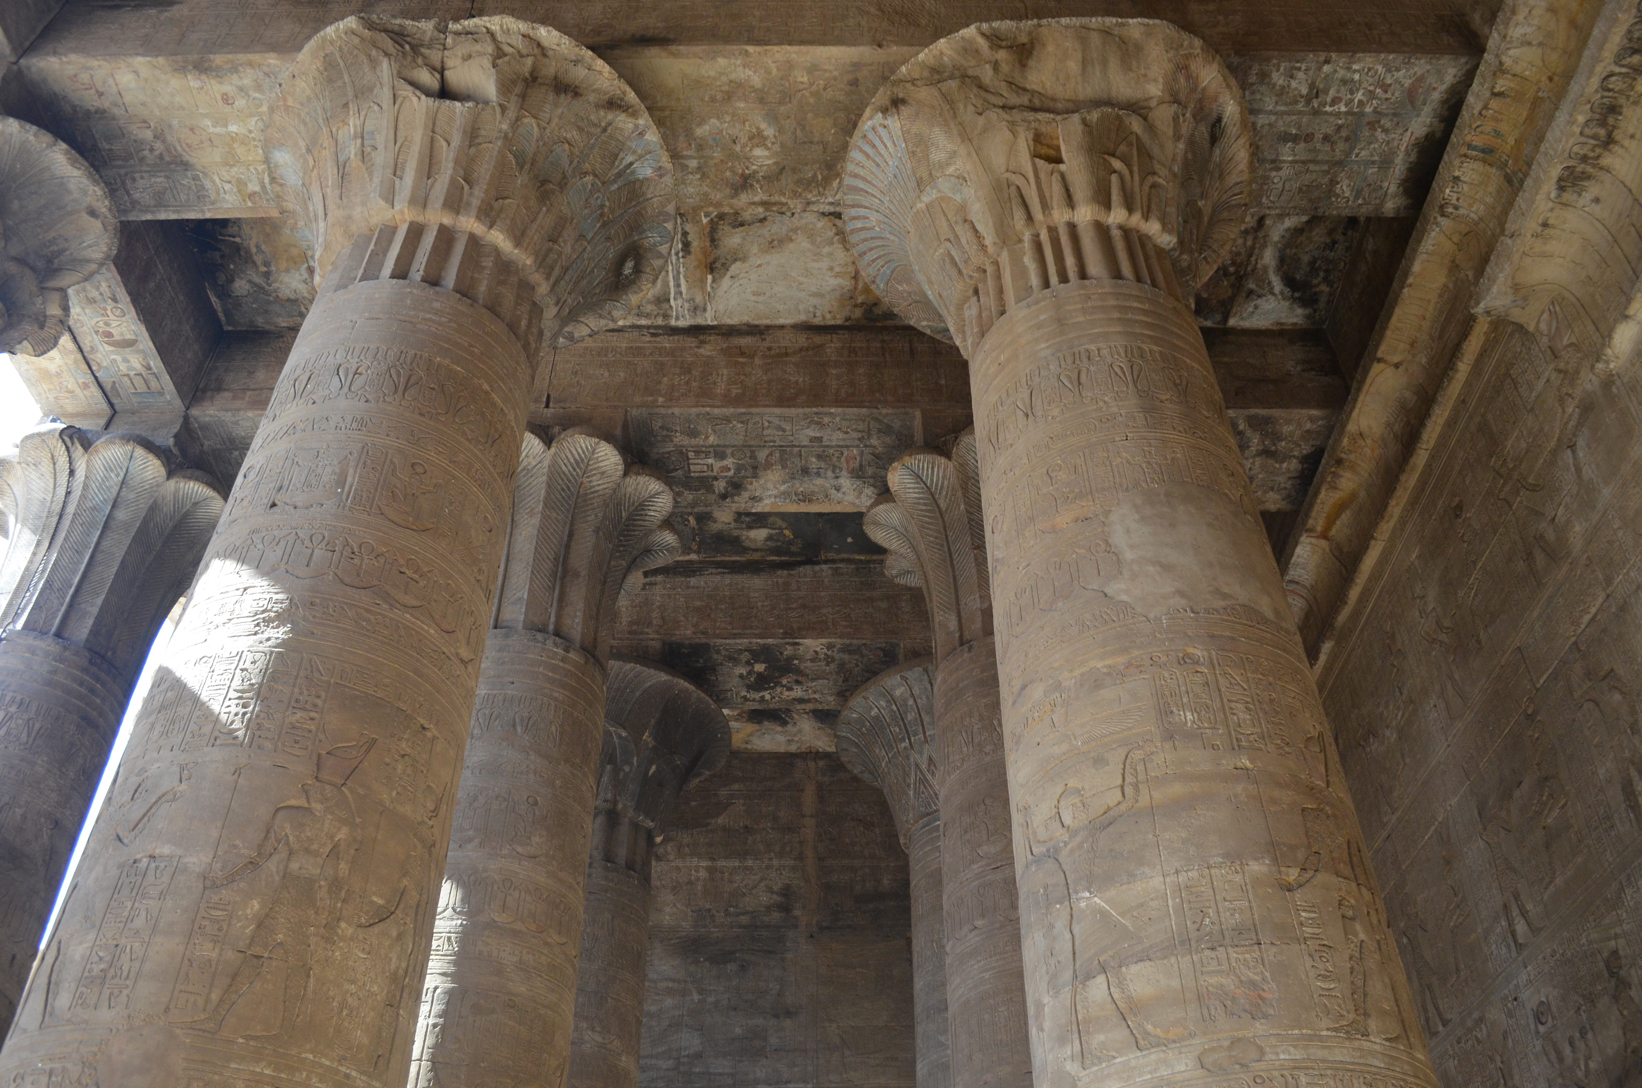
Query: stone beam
x,y
173,122
1531,58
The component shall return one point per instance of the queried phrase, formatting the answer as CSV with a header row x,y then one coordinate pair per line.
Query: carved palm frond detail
x,y
492,157
886,736
57,230
930,523
104,533
585,526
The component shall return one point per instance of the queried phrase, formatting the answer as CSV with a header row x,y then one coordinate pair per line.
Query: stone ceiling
x,y
761,376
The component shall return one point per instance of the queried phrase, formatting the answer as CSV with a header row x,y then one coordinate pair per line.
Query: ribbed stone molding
x,y
931,524
103,533
1194,903
886,736
661,735
498,1004
493,157
57,229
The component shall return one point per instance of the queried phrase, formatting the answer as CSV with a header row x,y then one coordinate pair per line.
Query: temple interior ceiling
x,y
761,376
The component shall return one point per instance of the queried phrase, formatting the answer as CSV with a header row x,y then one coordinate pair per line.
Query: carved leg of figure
x,y
986,993
287,790
610,993
501,983
1189,859
929,982
60,706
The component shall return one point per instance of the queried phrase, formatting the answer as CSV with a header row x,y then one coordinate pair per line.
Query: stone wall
x,y
779,935
1485,694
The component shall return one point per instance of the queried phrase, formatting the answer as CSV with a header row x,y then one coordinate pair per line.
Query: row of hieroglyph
x,y
1122,720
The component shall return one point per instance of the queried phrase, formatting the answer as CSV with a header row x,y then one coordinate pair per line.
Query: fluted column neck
x,y
57,230
1013,157
493,157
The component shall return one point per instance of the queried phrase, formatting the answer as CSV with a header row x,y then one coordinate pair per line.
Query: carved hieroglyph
x,y
103,534
1194,901
501,986
931,524
57,229
886,735
258,896
661,735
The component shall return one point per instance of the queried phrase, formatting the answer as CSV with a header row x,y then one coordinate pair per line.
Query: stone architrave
x,y
57,230
886,736
258,896
661,735
500,995
103,534
930,522
1194,899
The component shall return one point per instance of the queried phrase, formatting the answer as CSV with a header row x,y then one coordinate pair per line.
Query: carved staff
x,y
259,895
1049,195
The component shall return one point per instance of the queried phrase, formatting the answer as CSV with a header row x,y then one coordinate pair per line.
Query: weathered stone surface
x,y
886,735
779,933
1049,195
57,228
103,535
1482,672
260,894
499,999
1505,117
661,736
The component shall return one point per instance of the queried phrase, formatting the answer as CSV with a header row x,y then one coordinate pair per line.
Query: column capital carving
x,y
493,157
1012,157
886,736
57,229
586,526
104,533
930,522
661,735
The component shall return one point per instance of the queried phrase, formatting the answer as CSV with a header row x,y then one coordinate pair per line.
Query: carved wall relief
x,y
1193,895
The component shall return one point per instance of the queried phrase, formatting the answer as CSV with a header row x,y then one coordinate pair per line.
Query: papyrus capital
x,y
1012,157
493,157
886,736
57,228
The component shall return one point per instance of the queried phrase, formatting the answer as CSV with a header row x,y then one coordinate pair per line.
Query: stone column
x,y
1194,899
886,736
258,895
931,524
103,534
501,985
661,735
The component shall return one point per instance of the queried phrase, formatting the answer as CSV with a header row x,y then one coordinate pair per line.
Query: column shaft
x,y
929,980
60,706
258,895
610,992
501,982
986,994
1194,895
